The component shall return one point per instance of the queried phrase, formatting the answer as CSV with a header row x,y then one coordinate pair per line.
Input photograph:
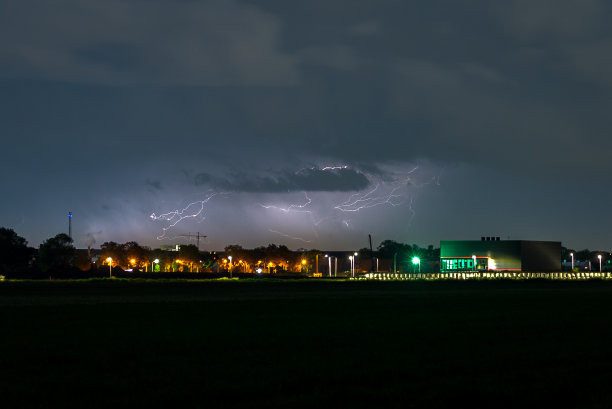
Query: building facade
x,y
492,254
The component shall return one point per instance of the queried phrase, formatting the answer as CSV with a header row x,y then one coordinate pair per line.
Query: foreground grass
x,y
101,344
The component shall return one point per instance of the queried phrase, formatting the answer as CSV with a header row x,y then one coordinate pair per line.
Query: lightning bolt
x,y
360,201
294,207
357,202
383,193
290,237
191,211
334,167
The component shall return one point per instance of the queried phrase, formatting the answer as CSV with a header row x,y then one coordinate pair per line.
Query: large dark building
x,y
490,254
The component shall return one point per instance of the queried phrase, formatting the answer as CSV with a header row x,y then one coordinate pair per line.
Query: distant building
x,y
170,247
490,254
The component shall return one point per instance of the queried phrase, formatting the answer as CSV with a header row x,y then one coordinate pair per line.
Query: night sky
x,y
309,124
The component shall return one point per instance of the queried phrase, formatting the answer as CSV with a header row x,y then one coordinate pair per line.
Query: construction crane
x,y
197,236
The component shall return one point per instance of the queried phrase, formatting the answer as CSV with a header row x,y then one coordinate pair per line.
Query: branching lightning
x,y
392,193
194,210
388,187
294,207
358,202
372,198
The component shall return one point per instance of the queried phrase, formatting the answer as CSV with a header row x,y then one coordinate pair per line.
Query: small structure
x,y
492,254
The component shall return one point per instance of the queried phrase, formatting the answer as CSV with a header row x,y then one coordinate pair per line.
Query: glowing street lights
x,y
230,265
354,259
156,261
329,262
351,259
572,254
599,257
110,266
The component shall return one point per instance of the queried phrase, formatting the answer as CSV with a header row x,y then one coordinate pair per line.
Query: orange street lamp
x,y
110,266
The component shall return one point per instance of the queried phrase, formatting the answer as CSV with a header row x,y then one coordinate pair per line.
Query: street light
x,y
329,263
394,263
599,257
110,266
351,258
354,259
572,254
156,261
415,261
474,260
230,265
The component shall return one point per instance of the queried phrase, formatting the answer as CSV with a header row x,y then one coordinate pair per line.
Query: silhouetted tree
x,y
164,258
115,251
136,255
56,253
14,252
584,255
190,254
388,248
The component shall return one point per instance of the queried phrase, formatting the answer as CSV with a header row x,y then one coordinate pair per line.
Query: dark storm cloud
x,y
155,184
135,91
310,179
153,42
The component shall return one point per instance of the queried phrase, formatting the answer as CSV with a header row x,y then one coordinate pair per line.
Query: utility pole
x,y
70,224
371,254
394,263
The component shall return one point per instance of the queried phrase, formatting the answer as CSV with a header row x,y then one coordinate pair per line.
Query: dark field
x,y
497,344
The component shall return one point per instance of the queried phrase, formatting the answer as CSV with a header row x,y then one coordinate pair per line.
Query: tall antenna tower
x,y
70,224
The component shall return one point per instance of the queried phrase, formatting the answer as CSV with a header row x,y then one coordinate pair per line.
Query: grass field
x,y
289,344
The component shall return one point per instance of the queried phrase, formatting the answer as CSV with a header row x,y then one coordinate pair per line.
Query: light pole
x,y
351,259
110,266
156,261
599,257
317,263
415,261
377,264
474,261
230,265
572,254
354,260
329,264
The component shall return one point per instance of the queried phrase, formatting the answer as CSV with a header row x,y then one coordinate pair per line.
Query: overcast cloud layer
x,y
306,123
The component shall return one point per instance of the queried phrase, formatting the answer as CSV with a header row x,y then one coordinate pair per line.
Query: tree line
x,y
58,254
